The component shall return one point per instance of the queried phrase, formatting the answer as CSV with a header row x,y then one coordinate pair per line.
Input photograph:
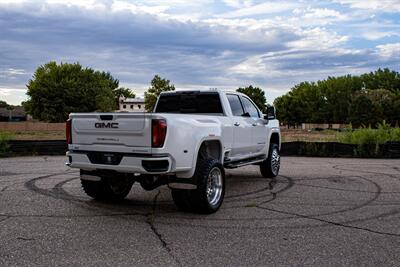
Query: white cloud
x,y
264,8
11,72
233,3
376,35
319,38
118,6
389,50
322,13
391,6
315,17
252,66
85,4
13,96
12,2
238,3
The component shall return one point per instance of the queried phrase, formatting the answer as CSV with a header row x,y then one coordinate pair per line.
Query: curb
x,y
25,148
335,149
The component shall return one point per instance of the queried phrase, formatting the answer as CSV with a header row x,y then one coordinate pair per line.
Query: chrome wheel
x,y
275,161
214,186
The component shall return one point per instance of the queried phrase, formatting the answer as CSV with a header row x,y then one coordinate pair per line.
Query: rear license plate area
x,y
105,158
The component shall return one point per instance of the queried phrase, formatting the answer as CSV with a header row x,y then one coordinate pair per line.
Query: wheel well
x,y
210,149
274,138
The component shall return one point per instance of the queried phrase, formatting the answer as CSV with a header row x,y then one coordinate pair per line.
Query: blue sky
x,y
199,44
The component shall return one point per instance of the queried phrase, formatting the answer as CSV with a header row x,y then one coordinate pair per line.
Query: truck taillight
x,y
68,131
158,132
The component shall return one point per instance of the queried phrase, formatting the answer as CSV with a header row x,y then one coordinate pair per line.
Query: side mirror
x,y
271,113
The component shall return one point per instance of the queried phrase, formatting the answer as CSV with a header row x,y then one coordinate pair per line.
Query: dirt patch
x,y
292,135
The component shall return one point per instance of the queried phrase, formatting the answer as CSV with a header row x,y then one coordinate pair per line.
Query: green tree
x,y
3,104
282,105
56,90
122,93
290,109
362,111
158,85
395,112
256,94
370,107
382,79
361,100
337,93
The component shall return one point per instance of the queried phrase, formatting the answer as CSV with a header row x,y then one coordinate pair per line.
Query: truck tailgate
x,y
124,129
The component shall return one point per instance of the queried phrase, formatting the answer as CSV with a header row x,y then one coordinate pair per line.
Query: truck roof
x,y
180,91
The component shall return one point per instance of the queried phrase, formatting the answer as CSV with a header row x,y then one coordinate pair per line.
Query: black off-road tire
x,y
103,189
270,167
197,200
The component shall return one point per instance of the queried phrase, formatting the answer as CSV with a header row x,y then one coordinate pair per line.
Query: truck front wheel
x,y
209,194
108,188
270,167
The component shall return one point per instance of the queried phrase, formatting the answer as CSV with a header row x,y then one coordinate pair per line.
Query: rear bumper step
x,y
120,162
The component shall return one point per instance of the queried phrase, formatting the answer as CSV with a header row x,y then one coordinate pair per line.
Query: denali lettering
x,y
107,139
106,125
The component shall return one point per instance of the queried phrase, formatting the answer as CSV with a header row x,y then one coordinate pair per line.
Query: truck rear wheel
x,y
108,188
270,167
209,194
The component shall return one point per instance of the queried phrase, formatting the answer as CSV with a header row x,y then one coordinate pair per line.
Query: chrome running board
x,y
240,163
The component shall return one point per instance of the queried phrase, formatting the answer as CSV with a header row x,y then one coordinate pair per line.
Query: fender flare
x,y
274,130
190,173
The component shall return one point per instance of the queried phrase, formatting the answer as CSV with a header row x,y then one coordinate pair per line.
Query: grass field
x,y
35,135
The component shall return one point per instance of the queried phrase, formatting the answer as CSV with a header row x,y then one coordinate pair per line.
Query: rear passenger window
x,y
250,108
236,106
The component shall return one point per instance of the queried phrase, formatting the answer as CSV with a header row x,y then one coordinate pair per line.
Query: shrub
x,y
368,139
395,134
4,146
367,135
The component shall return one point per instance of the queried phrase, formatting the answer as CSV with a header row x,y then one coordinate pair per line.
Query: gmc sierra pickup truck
x,y
185,143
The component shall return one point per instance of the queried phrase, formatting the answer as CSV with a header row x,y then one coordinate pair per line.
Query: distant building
x,y
16,114
131,104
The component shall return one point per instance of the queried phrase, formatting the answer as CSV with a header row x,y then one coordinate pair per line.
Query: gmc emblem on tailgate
x,y
106,125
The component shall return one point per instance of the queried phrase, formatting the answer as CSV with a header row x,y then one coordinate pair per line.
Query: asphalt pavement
x,y
318,212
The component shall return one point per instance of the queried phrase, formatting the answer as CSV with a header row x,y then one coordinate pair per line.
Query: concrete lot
x,y
318,212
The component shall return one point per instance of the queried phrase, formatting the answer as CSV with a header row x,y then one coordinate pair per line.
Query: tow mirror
x,y
271,113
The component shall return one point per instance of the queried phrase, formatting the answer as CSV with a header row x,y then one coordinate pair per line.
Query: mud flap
x,y
182,183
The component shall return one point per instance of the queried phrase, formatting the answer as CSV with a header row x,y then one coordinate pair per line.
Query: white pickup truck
x,y
185,143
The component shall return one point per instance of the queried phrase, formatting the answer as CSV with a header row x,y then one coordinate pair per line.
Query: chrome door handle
x,y
254,124
236,124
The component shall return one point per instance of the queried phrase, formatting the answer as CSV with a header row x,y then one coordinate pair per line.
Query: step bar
x,y
239,163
